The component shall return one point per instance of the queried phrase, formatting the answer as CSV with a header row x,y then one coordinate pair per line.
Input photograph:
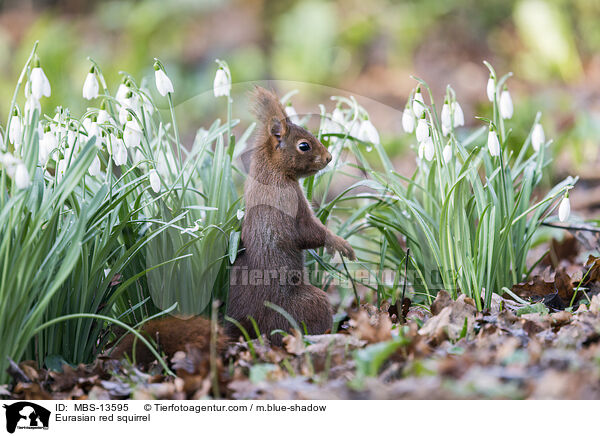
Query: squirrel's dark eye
x,y
304,146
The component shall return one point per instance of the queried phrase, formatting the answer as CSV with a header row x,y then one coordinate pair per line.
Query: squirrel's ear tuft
x,y
269,111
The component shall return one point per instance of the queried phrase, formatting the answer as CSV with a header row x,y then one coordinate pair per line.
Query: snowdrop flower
x,y
335,123
9,162
493,143
40,86
119,152
61,168
90,86
49,140
459,116
506,104
355,129
446,119
22,179
564,210
491,88
408,120
222,83
338,117
368,132
47,144
93,130
421,150
103,115
163,83
422,132
123,114
31,104
15,131
239,214
418,105
130,102
122,92
154,180
428,148
537,137
447,153
132,134
94,168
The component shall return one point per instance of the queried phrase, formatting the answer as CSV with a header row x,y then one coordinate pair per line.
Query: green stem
x,y
229,141
172,109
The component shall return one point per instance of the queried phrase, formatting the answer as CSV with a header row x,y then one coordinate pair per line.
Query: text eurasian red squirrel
x,y
278,226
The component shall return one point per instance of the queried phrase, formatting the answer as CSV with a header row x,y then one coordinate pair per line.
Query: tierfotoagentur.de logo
x,y
24,415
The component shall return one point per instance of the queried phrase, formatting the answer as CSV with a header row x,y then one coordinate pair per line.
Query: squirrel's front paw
x,y
335,243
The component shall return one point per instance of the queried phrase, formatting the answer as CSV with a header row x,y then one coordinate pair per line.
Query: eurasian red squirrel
x,y
278,226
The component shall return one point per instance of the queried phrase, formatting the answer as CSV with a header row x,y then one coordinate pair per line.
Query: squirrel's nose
x,y
328,158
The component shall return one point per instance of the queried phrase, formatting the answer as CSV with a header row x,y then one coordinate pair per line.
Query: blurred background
x,y
325,47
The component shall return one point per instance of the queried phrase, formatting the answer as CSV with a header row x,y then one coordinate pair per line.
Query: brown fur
x,y
278,225
171,335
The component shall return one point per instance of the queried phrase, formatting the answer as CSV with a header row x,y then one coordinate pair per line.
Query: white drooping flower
x,y
15,131
491,88
459,116
222,83
31,104
49,141
47,144
408,120
421,150
9,162
506,105
94,130
446,119
422,131
493,143
537,137
154,180
163,83
418,105
368,132
130,102
428,148
132,134
355,129
103,117
337,116
564,209
95,169
239,214
447,153
40,86
90,86
122,92
61,168
22,179
119,152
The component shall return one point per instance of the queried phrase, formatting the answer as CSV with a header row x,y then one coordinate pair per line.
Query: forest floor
x,y
513,351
